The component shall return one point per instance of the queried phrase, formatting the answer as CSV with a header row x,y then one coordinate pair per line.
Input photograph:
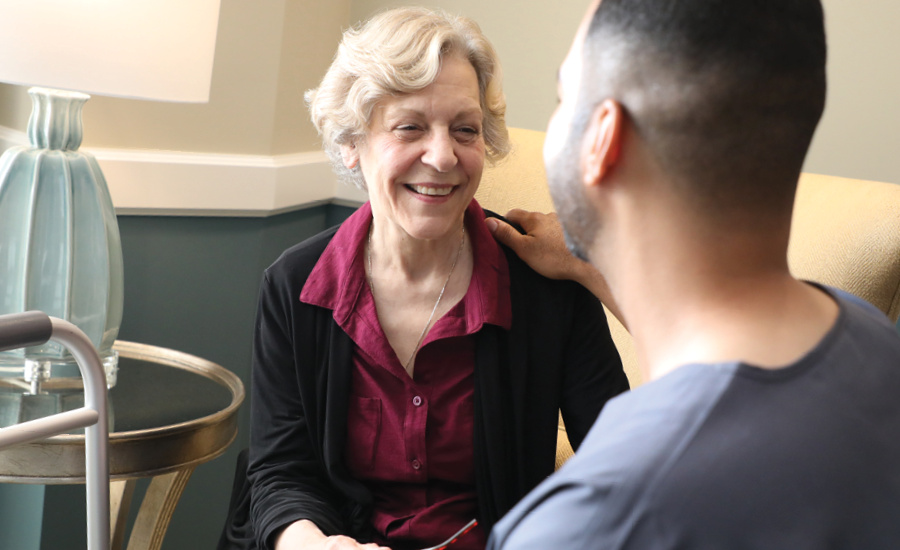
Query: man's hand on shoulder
x,y
543,248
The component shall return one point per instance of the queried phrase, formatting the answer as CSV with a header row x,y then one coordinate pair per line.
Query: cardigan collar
x,y
338,281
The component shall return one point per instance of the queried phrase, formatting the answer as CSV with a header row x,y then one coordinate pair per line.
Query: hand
x,y
543,248
305,535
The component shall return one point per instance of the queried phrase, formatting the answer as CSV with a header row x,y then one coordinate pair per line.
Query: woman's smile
x,y
428,190
432,191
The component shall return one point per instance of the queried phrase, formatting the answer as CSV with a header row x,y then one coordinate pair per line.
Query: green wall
x,y
191,285
19,528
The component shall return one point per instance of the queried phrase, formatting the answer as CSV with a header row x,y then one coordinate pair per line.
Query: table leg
x,y
156,510
120,493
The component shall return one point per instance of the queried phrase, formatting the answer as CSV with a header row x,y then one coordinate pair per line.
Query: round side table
x,y
169,412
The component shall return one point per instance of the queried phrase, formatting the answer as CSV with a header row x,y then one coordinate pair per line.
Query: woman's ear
x,y
602,142
350,155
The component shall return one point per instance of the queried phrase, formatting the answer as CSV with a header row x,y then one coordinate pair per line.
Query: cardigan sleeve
x,y
594,372
288,480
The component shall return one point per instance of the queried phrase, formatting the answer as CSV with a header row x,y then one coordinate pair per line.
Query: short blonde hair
x,y
396,52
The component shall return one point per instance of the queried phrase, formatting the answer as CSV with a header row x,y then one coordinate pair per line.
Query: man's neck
x,y
698,297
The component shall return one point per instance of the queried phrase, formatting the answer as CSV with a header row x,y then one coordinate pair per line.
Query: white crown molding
x,y
171,183
10,138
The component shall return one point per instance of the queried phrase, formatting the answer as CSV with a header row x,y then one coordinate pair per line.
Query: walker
x,y
36,328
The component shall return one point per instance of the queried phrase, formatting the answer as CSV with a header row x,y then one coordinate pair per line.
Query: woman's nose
x,y
439,152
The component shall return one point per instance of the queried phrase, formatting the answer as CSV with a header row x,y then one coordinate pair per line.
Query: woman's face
x,y
423,156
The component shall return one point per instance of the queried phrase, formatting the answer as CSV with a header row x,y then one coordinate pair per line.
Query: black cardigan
x,y
558,355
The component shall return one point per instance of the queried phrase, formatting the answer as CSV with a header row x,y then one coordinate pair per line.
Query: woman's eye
x,y
468,132
407,131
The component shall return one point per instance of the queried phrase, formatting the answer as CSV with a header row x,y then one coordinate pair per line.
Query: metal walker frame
x,y
35,328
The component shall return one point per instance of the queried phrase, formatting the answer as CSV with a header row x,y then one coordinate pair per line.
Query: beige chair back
x,y
846,233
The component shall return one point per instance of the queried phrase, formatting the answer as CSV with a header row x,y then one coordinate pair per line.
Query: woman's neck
x,y
415,282
393,250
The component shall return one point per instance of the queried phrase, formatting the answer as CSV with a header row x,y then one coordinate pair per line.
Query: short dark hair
x,y
727,93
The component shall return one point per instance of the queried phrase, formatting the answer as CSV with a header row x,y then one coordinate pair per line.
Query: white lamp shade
x,y
144,49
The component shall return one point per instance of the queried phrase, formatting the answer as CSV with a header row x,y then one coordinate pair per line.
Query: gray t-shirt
x,y
731,456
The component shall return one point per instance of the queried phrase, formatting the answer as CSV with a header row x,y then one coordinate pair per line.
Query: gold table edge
x,y
225,418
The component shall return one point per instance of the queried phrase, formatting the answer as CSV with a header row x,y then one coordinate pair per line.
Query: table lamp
x,y
59,240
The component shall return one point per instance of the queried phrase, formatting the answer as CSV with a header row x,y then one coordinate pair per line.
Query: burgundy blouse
x,y
410,440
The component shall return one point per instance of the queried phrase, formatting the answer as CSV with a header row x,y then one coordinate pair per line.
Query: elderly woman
x,y
408,370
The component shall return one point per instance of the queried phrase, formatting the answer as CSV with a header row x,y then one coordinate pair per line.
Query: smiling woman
x,y
401,52
395,355
423,157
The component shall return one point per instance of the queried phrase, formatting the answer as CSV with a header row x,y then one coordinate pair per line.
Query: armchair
x,y
845,233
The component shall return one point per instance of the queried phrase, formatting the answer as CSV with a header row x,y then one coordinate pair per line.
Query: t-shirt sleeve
x,y
567,516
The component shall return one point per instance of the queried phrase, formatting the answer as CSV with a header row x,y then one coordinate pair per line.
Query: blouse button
x,y
417,401
416,464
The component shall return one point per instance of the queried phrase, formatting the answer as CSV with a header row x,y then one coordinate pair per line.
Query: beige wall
x,y
269,52
859,136
312,31
15,107
239,116
531,38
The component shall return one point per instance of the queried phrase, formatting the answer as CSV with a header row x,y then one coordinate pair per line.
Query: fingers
x,y
528,220
533,222
305,534
516,215
505,233
341,542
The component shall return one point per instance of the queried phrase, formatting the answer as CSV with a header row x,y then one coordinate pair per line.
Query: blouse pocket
x,y
363,430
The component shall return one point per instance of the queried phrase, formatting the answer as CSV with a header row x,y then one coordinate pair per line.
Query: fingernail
x,y
491,224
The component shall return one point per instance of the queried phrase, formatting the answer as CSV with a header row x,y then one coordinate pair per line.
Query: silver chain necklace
x,y
436,304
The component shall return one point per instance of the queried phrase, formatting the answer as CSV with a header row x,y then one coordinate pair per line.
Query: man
x,y
771,419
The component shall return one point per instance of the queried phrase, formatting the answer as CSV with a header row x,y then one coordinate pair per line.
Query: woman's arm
x,y
288,481
593,369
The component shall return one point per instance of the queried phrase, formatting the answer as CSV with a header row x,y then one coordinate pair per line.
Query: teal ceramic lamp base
x,y
59,242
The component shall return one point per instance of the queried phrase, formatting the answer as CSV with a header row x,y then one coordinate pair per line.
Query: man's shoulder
x,y
857,302
606,488
649,420
862,319
678,455
861,351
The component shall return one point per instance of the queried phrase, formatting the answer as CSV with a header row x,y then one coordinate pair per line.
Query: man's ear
x,y
602,142
350,155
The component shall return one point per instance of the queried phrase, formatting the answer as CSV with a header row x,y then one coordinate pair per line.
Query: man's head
x,y
724,95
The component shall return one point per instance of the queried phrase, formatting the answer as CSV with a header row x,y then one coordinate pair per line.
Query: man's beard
x,y
579,221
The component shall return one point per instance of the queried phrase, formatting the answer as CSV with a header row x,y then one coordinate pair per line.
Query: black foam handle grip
x,y
19,330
